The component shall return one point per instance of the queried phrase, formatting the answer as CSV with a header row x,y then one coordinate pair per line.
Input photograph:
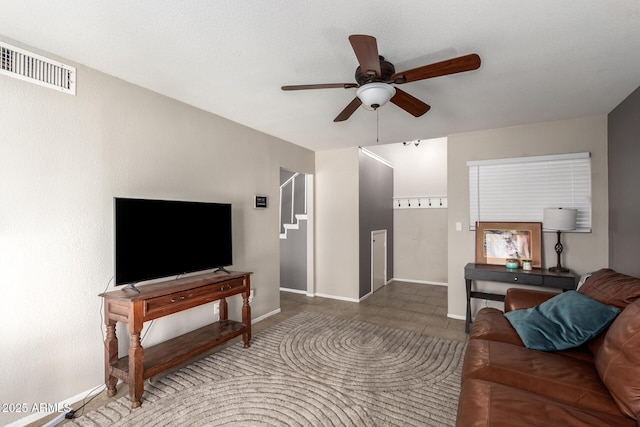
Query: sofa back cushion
x,y
618,361
611,288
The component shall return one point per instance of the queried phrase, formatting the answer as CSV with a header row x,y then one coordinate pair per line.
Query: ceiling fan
x,y
377,79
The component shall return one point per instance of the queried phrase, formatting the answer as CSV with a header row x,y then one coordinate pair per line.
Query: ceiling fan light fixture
x,y
376,94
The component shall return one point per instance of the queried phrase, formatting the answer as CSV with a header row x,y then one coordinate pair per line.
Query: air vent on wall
x,y
24,65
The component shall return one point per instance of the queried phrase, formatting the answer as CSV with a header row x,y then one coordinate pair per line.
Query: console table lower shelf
x,y
160,300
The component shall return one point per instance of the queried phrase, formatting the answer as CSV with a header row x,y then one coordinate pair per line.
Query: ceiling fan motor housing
x,y
386,71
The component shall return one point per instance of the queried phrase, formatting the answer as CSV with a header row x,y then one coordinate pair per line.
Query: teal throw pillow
x,y
564,321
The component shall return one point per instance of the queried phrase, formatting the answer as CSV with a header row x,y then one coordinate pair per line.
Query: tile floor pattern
x,y
413,307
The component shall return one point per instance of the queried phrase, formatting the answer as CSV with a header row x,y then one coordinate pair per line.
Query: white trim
x,y
70,401
293,291
309,209
423,282
365,296
337,297
551,157
376,157
455,316
264,316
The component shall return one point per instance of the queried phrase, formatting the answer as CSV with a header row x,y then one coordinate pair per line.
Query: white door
x,y
378,259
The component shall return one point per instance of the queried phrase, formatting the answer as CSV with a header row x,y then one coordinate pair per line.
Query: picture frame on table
x,y
496,242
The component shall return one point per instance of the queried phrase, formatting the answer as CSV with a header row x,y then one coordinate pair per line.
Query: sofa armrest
x,y
518,299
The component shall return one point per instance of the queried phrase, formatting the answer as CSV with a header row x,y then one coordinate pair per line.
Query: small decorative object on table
x,y
512,263
527,265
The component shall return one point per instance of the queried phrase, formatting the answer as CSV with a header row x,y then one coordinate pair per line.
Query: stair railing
x,y
292,183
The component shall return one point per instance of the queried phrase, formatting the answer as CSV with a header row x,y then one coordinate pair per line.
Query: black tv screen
x,y
160,238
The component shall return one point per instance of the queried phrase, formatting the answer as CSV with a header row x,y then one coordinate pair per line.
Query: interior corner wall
x,y
376,213
624,176
584,252
420,235
336,223
64,158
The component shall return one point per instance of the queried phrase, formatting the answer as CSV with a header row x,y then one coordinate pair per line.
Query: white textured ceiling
x,y
541,60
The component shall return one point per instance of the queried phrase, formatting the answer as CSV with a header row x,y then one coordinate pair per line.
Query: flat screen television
x,y
161,238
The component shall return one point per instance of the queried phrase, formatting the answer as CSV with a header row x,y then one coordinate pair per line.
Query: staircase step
x,y
296,226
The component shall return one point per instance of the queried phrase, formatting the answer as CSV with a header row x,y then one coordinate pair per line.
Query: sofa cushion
x,y
565,321
490,324
612,288
547,374
484,403
618,361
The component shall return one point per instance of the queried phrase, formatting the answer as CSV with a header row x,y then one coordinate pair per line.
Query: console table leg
x,y
468,319
246,319
224,309
136,366
111,357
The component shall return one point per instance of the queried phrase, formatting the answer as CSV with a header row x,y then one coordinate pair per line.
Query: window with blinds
x,y
519,189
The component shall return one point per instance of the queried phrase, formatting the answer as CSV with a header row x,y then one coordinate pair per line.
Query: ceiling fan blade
x,y
366,50
409,103
321,86
349,110
443,68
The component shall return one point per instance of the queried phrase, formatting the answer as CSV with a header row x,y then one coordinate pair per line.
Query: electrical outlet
x,y
216,308
252,293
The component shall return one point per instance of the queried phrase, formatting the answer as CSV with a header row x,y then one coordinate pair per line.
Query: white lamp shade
x,y
559,219
374,95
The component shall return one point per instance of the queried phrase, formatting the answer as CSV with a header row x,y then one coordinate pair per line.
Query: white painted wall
x,y
336,217
418,170
583,252
63,159
420,235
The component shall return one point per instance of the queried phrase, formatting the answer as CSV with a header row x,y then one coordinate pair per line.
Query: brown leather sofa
x,y
596,384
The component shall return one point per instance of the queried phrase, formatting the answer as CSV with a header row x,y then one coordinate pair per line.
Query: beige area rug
x,y
309,370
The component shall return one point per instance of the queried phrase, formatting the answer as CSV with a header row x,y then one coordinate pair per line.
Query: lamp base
x,y
559,269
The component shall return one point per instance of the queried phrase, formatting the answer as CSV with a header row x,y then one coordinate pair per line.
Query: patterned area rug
x,y
309,370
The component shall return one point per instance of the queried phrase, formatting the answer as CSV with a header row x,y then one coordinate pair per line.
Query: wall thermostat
x,y
260,202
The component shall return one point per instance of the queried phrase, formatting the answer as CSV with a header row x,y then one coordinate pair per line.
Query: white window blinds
x,y
519,189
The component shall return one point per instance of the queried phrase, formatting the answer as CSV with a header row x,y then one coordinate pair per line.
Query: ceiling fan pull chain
x,y
377,127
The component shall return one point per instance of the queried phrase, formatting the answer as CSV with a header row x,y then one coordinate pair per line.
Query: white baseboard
x,y
338,298
293,291
64,404
455,316
264,316
423,282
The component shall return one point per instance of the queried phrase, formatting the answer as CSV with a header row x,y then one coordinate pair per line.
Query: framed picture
x,y
498,241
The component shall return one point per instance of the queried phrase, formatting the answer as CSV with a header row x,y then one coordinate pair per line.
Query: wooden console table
x,y
498,273
160,300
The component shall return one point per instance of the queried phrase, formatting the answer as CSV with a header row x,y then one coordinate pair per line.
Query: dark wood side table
x,y
498,273
163,299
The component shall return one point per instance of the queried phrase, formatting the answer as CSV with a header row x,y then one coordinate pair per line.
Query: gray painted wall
x,y
624,176
375,213
293,259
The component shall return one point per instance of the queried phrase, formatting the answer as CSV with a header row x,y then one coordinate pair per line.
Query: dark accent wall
x,y
376,213
624,179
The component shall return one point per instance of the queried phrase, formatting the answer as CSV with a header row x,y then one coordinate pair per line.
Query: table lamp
x,y
559,219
